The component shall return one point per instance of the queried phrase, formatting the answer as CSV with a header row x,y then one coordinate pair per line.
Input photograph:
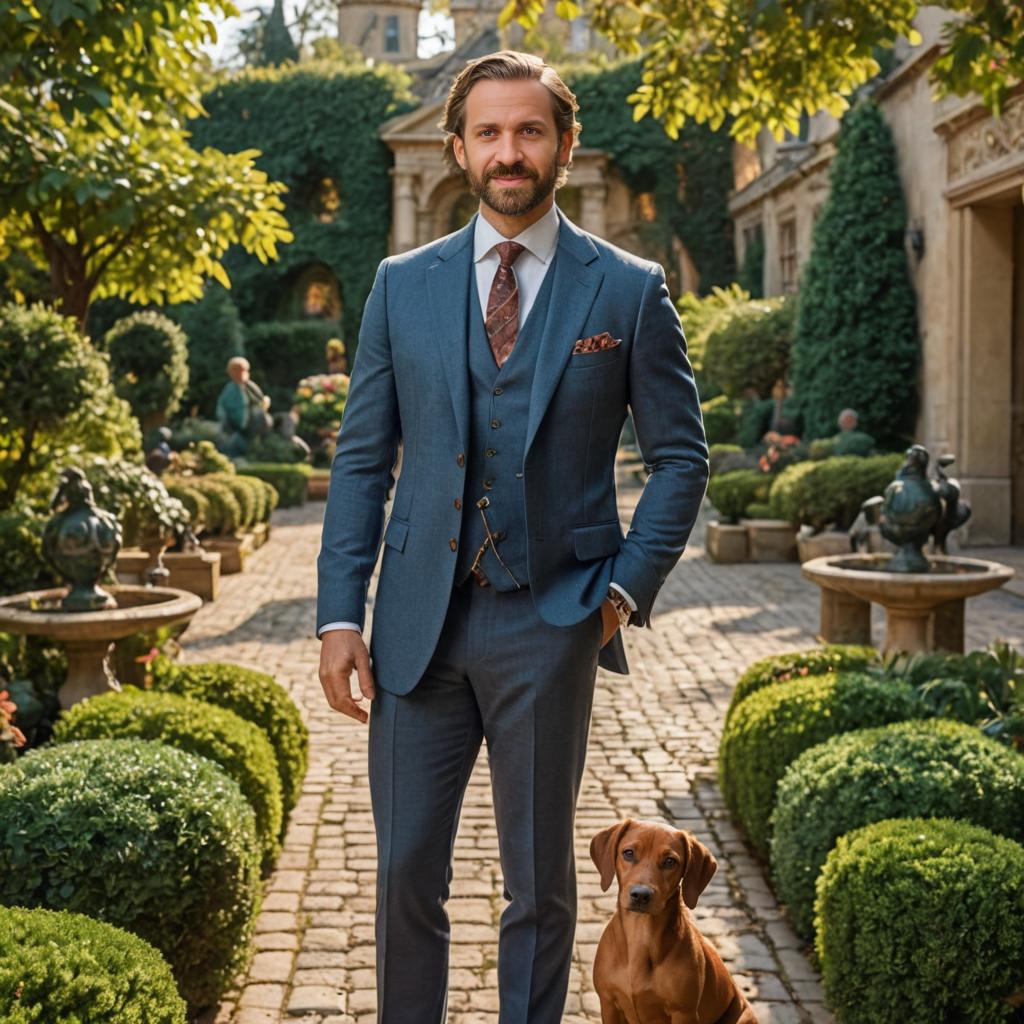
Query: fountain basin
x,y
924,611
88,636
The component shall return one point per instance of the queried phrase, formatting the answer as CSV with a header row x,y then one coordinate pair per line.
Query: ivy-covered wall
x,y
689,177
313,123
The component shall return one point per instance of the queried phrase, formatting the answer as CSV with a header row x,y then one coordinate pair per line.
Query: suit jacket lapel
x,y
573,292
448,289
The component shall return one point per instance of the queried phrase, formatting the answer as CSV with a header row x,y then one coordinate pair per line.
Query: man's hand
x,y
609,619
341,651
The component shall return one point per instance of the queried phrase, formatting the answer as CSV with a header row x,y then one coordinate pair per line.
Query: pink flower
x,y
146,659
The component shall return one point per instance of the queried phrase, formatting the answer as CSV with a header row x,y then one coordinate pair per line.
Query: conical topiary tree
x,y
278,45
856,341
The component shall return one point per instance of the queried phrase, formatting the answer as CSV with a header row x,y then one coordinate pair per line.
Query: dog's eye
x,y
670,862
627,854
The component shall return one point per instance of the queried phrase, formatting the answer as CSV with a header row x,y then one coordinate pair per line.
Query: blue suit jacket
x,y
410,383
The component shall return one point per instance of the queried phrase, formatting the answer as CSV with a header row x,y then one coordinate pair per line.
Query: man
x,y
504,358
241,408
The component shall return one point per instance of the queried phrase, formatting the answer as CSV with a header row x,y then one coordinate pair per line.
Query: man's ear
x,y
603,848
699,869
459,151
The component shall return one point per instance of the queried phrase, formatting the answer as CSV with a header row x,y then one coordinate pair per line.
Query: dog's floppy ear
x,y
603,848
699,869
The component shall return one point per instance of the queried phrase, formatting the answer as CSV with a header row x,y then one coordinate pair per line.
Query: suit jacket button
x,y
453,543
490,453
458,503
460,459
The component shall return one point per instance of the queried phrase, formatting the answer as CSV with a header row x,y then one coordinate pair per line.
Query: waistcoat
x,y
499,407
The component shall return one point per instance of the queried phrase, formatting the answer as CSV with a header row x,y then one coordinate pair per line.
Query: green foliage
x,y
933,768
290,482
921,920
55,400
255,696
748,353
724,458
239,747
278,45
817,661
700,315
313,121
853,442
148,364
774,726
22,566
254,501
281,353
731,493
202,457
67,967
756,418
751,273
719,420
224,514
689,177
857,335
196,503
817,493
151,839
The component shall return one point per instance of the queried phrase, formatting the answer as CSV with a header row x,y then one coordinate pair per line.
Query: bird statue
x,y
81,542
910,510
955,512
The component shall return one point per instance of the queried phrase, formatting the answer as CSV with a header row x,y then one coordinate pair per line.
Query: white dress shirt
x,y
539,241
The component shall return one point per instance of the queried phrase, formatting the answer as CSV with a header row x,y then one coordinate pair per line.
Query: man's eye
x,y
627,854
533,130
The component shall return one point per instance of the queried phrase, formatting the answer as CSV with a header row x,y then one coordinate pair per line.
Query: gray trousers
x,y
499,672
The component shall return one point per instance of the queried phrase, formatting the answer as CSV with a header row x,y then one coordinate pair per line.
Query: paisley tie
x,y
502,320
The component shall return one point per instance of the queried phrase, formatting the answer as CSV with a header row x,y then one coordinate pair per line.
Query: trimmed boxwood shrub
x,y
146,837
290,481
225,514
817,493
720,419
256,697
922,920
731,493
749,352
58,967
775,725
197,503
818,661
237,746
934,768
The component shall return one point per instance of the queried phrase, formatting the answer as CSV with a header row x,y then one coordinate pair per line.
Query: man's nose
x,y
509,152
640,896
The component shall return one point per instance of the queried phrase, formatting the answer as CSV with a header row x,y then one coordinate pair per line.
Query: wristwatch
x,y
621,606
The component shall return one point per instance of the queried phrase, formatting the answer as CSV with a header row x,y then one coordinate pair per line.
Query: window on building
x,y
391,41
788,255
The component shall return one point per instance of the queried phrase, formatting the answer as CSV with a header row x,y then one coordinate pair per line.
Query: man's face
x,y
239,372
510,148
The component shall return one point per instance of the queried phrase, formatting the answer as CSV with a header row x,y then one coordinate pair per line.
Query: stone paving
x,y
652,754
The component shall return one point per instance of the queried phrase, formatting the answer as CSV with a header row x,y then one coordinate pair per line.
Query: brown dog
x,y
653,966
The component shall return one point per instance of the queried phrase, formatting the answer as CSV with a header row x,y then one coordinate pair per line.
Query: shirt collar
x,y
540,237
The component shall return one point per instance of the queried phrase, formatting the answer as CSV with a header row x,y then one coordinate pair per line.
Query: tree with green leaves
x,y
761,64
857,341
278,45
101,187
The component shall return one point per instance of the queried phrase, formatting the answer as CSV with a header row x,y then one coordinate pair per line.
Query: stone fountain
x,y
923,595
81,541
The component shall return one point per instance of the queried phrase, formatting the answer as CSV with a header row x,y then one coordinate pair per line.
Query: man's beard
x,y
513,202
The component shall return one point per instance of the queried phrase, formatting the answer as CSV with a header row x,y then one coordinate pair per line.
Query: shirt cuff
x,y
337,625
625,594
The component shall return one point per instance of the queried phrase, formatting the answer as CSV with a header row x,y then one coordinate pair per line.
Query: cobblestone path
x,y
652,754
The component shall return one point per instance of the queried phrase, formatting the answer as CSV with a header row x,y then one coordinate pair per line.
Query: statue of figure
x,y
954,511
241,409
337,357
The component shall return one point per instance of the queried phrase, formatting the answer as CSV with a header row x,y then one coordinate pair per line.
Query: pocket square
x,y
596,343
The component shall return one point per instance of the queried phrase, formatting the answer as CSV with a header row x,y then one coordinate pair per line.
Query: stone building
x,y
962,173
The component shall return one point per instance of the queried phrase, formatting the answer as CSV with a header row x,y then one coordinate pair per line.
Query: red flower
x,y
145,659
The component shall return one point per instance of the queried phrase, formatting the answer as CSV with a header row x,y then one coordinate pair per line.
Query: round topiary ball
x,y
56,966
256,697
773,726
935,768
238,746
818,661
143,836
921,920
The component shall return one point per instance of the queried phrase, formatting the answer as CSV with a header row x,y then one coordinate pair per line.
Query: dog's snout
x,y
640,896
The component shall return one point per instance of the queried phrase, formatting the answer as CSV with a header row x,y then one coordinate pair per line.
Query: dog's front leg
x,y
610,1012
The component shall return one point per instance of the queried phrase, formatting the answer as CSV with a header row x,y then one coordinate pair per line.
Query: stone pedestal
x,y
198,572
831,542
233,551
770,540
725,543
844,619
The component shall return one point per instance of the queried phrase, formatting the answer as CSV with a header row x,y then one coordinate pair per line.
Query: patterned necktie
x,y
502,320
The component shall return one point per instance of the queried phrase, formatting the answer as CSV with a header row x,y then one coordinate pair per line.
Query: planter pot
x,y
316,488
131,565
830,542
726,543
260,535
198,572
770,540
233,551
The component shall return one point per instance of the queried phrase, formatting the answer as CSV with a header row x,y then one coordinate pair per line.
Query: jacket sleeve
x,y
670,434
362,472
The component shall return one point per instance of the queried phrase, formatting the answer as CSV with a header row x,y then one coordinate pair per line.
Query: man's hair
x,y
508,66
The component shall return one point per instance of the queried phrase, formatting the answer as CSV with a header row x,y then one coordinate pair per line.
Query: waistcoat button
x,y
460,459
458,503
498,391
453,543
490,453
495,424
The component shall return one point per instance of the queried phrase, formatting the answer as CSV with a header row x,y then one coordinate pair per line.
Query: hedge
x,y
57,967
934,768
290,481
731,493
146,837
824,492
237,746
749,353
816,662
778,723
720,420
922,920
256,697
224,513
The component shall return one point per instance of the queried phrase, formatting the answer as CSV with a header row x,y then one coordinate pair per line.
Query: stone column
x,y
404,226
593,196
